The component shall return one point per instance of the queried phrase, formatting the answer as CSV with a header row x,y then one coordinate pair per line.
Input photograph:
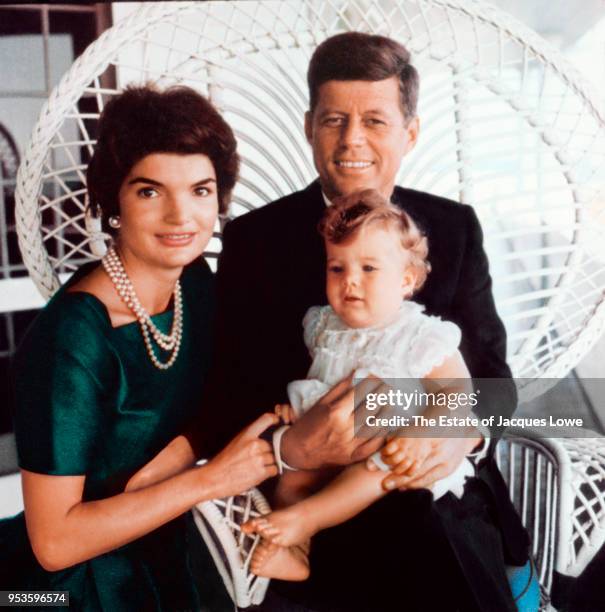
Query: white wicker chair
x,y
558,486
508,126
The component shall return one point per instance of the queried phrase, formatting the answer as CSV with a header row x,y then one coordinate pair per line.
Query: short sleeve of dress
x,y
61,391
435,341
311,324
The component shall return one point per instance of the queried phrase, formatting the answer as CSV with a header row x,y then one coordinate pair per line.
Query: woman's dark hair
x,y
356,56
143,120
349,214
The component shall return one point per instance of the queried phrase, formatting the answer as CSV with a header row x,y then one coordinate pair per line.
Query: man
x,y
361,123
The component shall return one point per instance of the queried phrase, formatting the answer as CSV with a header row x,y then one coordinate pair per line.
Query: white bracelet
x,y
281,464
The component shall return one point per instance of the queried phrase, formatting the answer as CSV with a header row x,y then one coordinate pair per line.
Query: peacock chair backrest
x,y
507,126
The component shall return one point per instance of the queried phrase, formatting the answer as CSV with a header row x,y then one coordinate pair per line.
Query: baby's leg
x,y
273,561
293,487
286,563
352,491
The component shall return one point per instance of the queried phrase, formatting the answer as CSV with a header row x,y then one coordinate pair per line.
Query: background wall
x,y
38,43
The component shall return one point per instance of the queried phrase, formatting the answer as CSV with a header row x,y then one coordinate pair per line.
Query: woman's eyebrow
x,y
142,179
148,181
204,181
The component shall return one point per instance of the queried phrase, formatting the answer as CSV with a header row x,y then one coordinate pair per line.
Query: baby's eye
x,y
202,191
147,192
369,268
335,269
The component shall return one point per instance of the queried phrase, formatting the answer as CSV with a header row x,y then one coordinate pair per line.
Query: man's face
x,y
359,135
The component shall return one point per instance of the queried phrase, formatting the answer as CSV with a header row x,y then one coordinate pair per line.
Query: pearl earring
x,y
114,222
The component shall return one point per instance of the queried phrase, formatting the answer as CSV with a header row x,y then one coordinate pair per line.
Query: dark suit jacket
x,y
272,269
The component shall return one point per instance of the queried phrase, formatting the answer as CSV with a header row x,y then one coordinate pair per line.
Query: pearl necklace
x,y
169,342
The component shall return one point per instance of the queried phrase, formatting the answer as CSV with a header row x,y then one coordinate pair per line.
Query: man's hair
x,y
143,120
349,214
356,56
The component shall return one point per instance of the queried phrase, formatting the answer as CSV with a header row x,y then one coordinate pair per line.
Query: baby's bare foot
x,y
287,527
272,561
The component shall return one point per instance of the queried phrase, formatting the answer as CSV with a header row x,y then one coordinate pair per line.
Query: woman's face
x,y
168,209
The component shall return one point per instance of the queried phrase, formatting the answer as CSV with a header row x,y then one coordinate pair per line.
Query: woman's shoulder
x,y
75,323
71,312
78,304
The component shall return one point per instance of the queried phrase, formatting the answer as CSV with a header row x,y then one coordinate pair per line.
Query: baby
x,y
376,260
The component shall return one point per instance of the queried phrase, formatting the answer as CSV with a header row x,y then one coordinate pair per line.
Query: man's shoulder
x,y
436,213
415,198
276,213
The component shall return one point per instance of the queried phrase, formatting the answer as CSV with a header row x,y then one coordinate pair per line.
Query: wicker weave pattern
x,y
220,522
558,488
585,481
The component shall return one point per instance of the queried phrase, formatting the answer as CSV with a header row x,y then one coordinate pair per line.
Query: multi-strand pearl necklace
x,y
169,342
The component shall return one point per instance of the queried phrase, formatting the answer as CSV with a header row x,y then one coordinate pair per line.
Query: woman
x,y
112,368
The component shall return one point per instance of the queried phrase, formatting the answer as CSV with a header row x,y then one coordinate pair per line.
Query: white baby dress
x,y
407,348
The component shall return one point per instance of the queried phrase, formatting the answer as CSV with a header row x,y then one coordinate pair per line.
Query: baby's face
x,y
368,277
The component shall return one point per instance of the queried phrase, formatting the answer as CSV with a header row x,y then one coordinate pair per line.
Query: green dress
x,y
89,401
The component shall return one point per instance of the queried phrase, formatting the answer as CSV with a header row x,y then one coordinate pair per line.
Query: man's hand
x,y
325,435
445,456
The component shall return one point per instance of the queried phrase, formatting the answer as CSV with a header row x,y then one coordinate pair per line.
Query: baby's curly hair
x,y
349,214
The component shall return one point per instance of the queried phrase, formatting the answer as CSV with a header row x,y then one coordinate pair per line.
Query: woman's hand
x,y
171,460
285,413
245,462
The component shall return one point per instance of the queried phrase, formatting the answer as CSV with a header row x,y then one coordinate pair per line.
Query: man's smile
x,y
345,163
